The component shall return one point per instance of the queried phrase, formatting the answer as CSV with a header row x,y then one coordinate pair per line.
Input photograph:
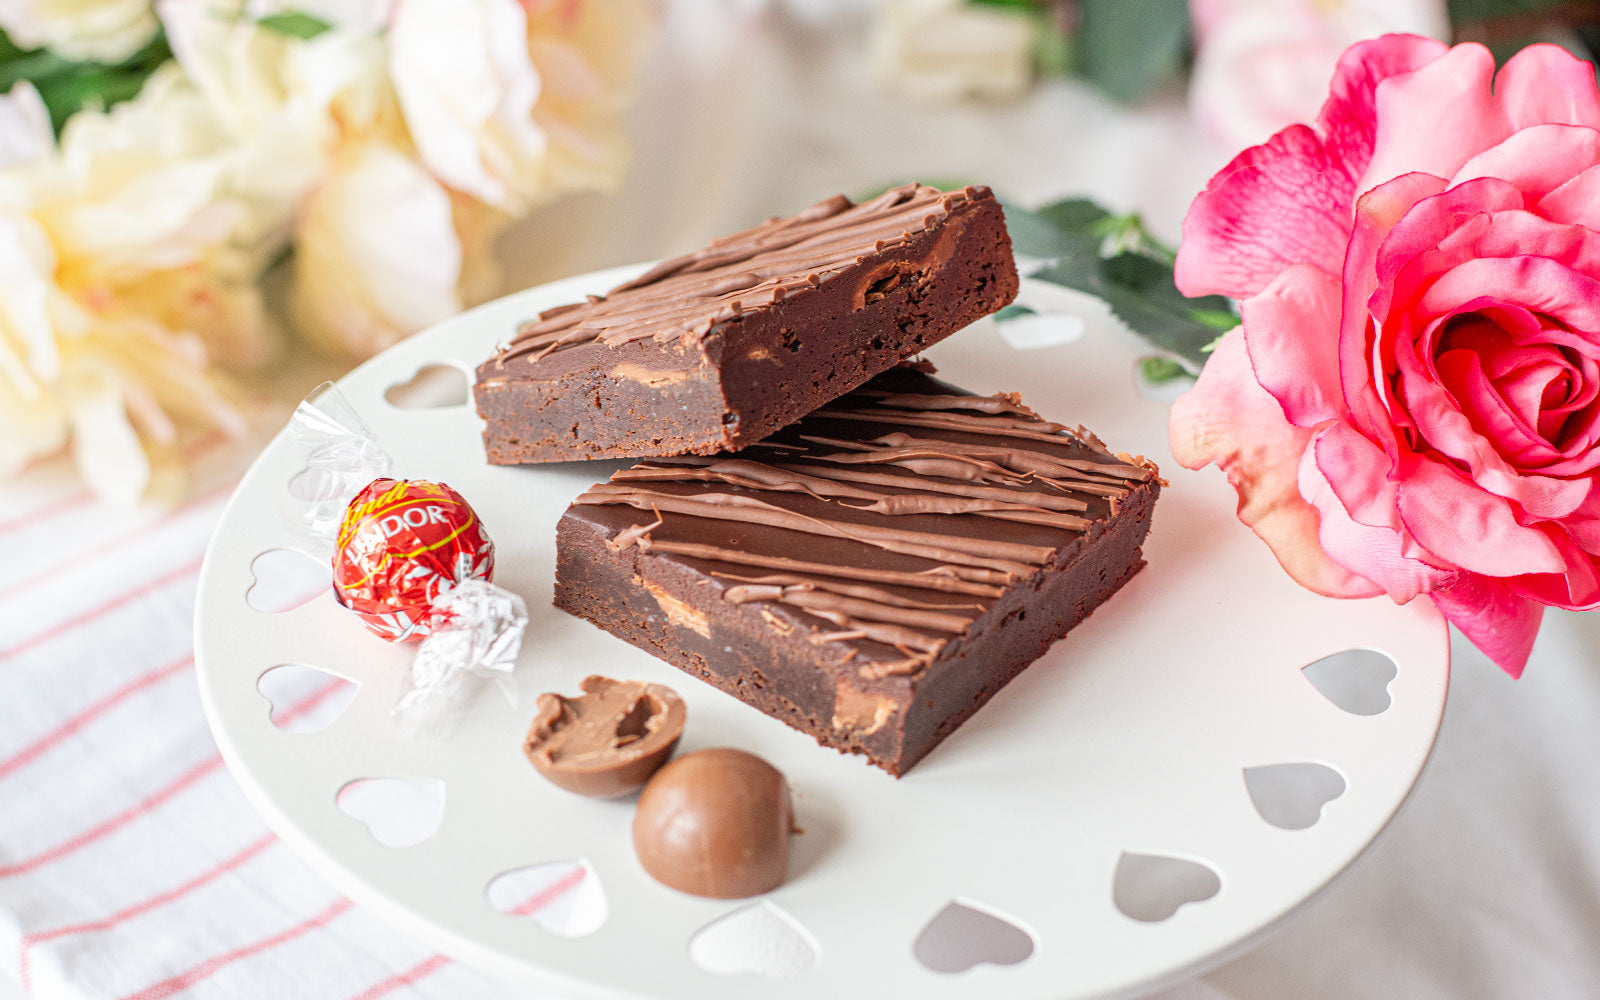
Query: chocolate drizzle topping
x,y
900,493
687,297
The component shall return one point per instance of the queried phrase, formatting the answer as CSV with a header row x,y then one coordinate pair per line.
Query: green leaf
x,y
66,86
1129,46
1062,229
1468,11
296,24
1013,311
1221,320
1117,259
1053,51
1157,369
1213,345
1140,291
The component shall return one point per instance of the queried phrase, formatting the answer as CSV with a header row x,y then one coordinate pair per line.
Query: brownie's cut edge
x,y
669,589
816,304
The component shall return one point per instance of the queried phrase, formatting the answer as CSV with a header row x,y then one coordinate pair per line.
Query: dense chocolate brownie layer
x,y
871,575
722,347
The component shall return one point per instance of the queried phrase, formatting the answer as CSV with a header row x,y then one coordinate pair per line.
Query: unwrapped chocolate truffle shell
x,y
609,740
716,823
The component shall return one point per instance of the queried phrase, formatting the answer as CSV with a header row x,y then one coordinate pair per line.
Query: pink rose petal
x,y
1289,201
1348,120
1577,201
1336,456
1538,284
1546,83
1275,205
1465,526
1291,330
1536,160
1229,420
1497,621
1434,119
1576,587
1375,215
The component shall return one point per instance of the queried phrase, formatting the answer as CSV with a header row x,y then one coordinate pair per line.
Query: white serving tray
x,y
1129,739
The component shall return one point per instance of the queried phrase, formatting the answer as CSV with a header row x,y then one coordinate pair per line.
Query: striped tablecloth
x,y
132,867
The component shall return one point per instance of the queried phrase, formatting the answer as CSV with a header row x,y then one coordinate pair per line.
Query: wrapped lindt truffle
x,y
410,558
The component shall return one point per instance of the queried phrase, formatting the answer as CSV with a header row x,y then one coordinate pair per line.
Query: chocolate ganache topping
x,y
686,297
895,518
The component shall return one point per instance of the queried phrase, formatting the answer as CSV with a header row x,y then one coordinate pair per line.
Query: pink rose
x,y
1410,406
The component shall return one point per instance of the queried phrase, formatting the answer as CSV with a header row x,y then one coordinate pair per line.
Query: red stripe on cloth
x,y
544,897
184,980
414,974
37,748
61,628
82,498
311,701
552,892
138,532
154,801
138,909
201,447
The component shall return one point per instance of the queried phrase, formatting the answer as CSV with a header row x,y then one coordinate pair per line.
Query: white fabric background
x,y
1486,886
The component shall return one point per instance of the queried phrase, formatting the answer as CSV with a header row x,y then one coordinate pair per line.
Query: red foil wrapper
x,y
401,543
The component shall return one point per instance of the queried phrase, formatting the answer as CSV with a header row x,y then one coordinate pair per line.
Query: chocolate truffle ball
x,y
715,823
608,740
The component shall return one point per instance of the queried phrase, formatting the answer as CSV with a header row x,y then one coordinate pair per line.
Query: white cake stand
x,y
1072,800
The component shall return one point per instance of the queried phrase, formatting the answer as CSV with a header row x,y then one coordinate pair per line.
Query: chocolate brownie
x,y
720,348
872,574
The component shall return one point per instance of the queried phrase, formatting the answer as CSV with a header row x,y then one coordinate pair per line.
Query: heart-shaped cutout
x,y
961,936
1152,887
432,387
755,940
1356,680
304,699
1291,796
563,897
398,812
286,579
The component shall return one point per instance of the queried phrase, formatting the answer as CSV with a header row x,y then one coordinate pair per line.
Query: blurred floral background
x,y
194,191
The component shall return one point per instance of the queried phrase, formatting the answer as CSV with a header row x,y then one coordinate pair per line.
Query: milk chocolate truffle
x,y
609,740
715,823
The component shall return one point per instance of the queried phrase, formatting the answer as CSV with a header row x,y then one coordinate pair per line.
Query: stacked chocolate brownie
x,y
867,554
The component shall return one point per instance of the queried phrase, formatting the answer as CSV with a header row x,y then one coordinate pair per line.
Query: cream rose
x,y
120,290
376,253
107,31
515,103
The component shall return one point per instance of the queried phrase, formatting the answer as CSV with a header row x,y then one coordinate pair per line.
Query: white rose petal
x,y
943,50
107,31
376,253
25,134
27,336
467,87
108,451
274,95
